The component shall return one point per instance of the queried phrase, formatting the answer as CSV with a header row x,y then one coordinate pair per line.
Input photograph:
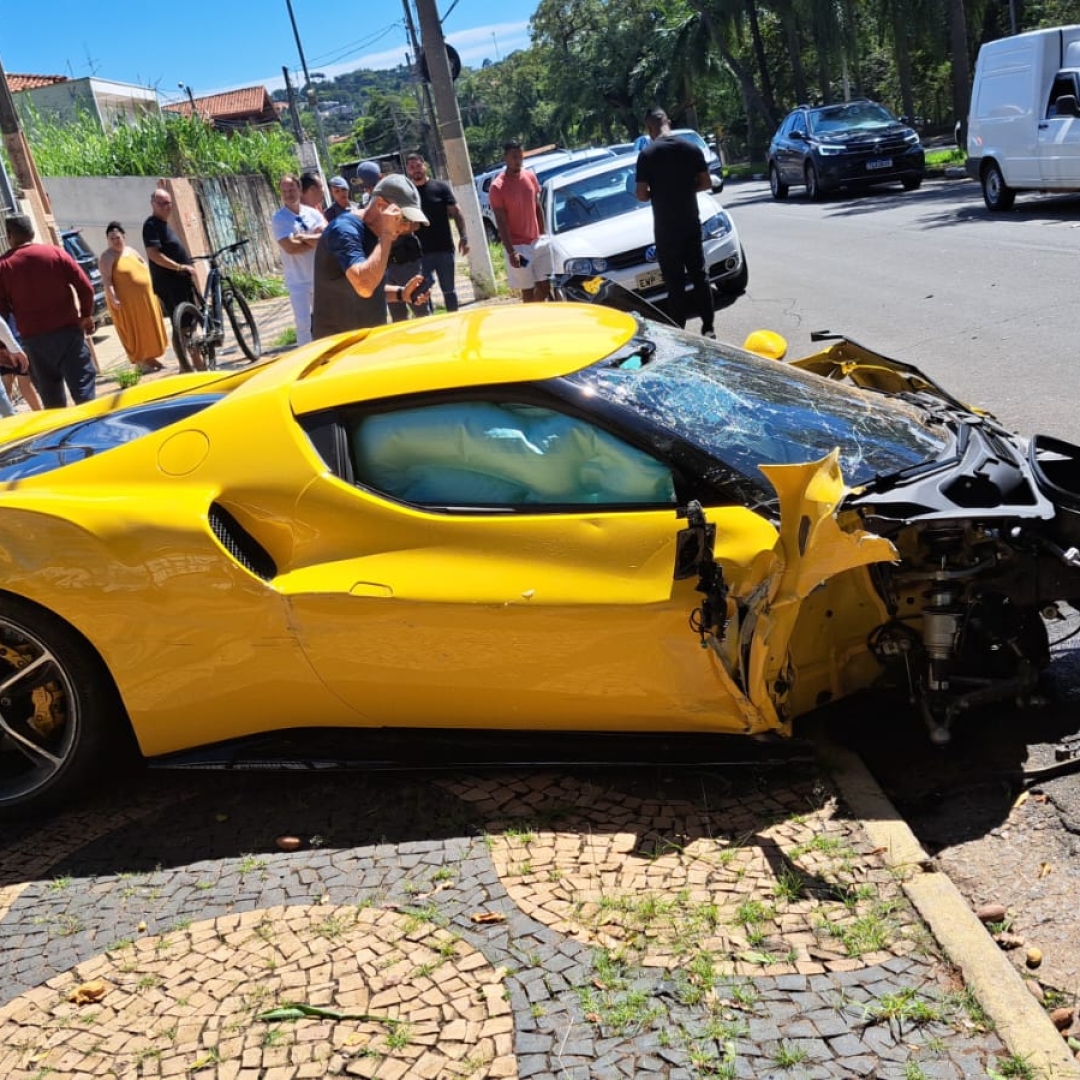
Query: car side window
x,y
798,125
1063,84
478,454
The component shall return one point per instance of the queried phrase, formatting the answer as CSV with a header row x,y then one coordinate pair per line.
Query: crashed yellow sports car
x,y
555,517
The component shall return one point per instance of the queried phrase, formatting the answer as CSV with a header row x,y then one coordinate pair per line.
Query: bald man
x,y
171,268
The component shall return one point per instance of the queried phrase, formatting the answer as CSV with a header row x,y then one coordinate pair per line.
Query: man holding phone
x,y
515,200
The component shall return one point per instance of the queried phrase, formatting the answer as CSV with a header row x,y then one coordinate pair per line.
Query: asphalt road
x,y
986,304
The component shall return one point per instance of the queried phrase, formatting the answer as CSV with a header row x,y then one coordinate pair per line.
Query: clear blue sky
x,y
214,45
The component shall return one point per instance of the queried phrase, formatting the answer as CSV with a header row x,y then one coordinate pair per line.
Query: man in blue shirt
x,y
351,259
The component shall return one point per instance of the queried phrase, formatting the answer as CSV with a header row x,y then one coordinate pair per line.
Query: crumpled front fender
x,y
815,543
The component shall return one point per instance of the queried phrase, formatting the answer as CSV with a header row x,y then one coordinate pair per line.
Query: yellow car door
x,y
568,620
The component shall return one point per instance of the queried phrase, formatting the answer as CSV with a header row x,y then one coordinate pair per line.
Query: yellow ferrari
x,y
521,517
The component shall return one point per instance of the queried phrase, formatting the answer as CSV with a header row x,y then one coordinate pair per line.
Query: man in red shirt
x,y
35,284
515,200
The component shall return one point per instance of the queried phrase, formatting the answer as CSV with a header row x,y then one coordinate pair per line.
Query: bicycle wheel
x,y
193,350
243,324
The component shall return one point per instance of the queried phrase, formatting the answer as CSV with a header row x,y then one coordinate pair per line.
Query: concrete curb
x,y
1020,1021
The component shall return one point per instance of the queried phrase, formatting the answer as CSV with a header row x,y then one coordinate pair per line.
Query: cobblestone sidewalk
x,y
547,925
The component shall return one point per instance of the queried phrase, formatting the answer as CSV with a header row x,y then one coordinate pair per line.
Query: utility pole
x,y
191,99
438,154
294,112
452,135
22,161
324,149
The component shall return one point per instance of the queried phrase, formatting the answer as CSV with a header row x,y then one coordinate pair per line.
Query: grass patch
x,y
938,159
286,338
1013,1067
126,375
257,286
788,1056
905,1007
708,1061
612,1002
966,1002
753,912
333,927
398,1037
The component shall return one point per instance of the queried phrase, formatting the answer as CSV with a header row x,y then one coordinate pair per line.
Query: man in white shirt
x,y
296,229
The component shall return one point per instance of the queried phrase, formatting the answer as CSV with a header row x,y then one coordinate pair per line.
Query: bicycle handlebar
x,y
224,250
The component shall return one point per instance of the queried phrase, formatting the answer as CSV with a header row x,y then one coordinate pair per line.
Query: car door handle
x,y
1043,126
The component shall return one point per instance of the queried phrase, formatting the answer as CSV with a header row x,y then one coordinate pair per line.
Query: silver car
x,y
597,226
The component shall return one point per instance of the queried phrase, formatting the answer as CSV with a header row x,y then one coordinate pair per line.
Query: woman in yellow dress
x,y
132,303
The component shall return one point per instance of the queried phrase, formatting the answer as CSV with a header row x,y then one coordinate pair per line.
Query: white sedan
x,y
597,226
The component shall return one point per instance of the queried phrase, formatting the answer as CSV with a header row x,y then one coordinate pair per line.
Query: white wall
x,y
90,203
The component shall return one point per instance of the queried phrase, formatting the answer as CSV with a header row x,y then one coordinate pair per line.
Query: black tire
x,y
912,183
814,191
192,349
996,193
58,710
777,186
491,232
242,322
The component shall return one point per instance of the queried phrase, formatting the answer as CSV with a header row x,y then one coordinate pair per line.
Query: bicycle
x,y
199,327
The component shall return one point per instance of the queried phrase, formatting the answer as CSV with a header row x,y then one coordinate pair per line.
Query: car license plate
x,y
880,163
650,279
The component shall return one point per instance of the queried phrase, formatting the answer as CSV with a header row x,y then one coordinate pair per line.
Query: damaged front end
x,y
919,544
987,546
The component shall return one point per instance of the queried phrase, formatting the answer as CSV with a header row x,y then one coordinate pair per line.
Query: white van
x,y
1024,120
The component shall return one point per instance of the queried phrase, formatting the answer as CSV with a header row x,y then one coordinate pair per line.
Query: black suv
x,y
853,144
75,246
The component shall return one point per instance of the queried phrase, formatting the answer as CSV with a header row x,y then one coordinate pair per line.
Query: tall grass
x,y
160,145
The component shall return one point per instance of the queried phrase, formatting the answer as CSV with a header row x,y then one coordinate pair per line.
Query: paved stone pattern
x,y
570,925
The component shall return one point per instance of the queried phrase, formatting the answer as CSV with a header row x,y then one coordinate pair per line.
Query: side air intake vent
x,y
240,544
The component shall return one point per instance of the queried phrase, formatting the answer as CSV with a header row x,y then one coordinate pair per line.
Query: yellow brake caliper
x,y
48,700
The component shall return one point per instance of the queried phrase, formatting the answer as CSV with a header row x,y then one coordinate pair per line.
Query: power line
x,y
355,48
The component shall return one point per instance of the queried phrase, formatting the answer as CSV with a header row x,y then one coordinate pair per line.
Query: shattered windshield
x,y
746,411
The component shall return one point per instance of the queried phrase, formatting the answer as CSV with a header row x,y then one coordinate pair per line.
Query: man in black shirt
x,y
439,205
670,173
171,268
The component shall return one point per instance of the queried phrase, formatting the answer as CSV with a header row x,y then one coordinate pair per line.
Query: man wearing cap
x,y
352,255
339,194
36,283
297,229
